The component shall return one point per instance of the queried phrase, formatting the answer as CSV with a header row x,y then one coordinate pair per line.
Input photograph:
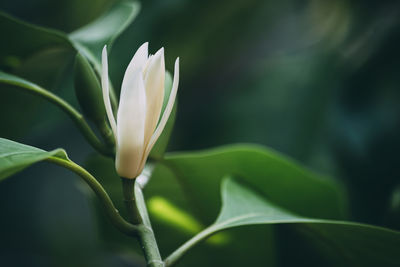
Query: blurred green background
x,y
316,80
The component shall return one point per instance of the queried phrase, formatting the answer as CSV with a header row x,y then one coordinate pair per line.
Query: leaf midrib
x,y
19,152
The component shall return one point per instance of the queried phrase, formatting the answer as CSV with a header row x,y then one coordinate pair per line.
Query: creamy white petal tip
x,y
106,91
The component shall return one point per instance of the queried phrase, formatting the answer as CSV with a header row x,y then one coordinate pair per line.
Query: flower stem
x,y
113,214
177,254
128,187
136,206
150,248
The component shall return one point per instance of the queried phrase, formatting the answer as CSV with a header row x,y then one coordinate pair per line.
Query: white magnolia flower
x,y
138,123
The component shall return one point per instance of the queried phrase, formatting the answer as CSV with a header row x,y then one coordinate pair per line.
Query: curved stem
x,y
113,214
66,107
177,254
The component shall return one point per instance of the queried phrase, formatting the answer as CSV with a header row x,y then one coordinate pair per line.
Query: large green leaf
x,y
351,244
191,182
15,157
285,182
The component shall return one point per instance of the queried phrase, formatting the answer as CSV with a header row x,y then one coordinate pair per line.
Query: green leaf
x,y
105,29
353,243
24,39
15,157
241,206
285,182
191,182
89,39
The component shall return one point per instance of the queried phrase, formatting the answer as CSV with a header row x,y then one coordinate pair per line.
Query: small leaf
x,y
15,157
355,244
105,29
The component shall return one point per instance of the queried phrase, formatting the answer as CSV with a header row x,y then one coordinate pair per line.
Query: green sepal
x,y
88,91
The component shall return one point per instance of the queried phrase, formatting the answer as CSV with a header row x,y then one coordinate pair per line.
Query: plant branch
x,y
113,214
178,253
67,108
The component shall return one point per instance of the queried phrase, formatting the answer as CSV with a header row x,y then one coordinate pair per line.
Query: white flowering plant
x,y
191,198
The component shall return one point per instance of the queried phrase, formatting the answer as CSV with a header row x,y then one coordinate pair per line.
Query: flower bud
x,y
140,120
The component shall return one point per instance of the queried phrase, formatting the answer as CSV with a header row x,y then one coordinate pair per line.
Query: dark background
x,y
316,80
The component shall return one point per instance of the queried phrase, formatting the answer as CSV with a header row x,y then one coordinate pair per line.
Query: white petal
x,y
138,63
154,83
167,111
106,92
131,122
